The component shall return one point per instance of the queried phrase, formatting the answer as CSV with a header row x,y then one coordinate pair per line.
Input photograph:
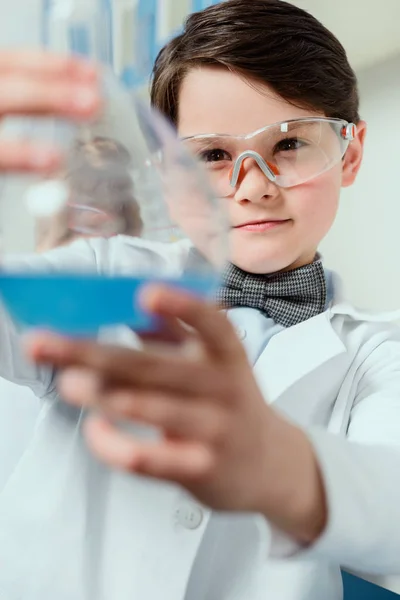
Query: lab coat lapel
x,y
296,352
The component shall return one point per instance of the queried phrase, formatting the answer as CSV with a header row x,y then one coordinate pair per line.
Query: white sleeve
x,y
14,366
361,475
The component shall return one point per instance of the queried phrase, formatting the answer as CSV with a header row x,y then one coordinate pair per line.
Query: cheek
x,y
315,203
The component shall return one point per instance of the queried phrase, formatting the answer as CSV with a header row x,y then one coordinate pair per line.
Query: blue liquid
x,y
81,304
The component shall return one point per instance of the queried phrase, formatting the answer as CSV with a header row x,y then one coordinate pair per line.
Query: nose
x,y
253,178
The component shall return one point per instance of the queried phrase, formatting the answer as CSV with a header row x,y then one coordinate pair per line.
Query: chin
x,y
259,260
259,265
261,254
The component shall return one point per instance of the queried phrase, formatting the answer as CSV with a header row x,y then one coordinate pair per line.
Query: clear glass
x,y
130,188
289,153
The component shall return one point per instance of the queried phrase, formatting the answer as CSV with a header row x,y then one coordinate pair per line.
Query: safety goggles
x,y
288,153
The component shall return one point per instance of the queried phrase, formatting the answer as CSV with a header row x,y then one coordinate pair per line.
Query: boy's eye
x,y
288,145
214,155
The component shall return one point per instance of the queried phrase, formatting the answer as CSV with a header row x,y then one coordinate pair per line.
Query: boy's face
x,y
292,221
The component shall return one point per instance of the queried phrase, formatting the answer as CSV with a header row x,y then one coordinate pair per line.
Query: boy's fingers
x,y
169,459
125,367
173,414
167,331
213,327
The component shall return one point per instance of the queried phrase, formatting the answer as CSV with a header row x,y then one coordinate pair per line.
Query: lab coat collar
x,y
297,351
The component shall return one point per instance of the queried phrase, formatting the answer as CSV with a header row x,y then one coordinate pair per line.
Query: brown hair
x,y
98,176
270,41
101,174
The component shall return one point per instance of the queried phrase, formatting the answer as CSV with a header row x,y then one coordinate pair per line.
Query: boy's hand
x,y
37,83
220,438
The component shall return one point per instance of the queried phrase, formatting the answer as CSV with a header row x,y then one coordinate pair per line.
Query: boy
x,y
298,456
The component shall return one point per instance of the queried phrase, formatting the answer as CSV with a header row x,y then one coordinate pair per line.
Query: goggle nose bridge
x,y
260,162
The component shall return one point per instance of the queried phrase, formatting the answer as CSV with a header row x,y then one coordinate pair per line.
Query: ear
x,y
354,154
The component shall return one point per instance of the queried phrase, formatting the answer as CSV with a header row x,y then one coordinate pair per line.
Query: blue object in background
x,y
79,39
131,78
106,27
146,42
198,5
146,45
359,589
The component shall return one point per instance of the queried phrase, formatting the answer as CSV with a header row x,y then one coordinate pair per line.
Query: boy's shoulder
x,y
360,327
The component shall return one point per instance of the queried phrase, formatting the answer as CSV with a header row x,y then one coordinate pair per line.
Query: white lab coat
x,y
336,375
19,412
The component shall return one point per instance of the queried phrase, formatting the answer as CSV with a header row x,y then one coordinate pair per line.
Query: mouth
x,y
262,225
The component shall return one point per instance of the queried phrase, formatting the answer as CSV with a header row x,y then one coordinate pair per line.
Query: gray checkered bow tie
x,y
288,297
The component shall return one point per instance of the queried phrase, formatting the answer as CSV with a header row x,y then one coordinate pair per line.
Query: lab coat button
x,y
189,516
241,333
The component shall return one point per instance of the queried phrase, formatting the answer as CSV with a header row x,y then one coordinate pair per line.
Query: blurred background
x,y
364,245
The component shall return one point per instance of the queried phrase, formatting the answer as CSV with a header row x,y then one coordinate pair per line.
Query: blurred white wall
x,y
364,245
19,22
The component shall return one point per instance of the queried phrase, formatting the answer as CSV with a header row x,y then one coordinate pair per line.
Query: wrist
x,y
292,496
